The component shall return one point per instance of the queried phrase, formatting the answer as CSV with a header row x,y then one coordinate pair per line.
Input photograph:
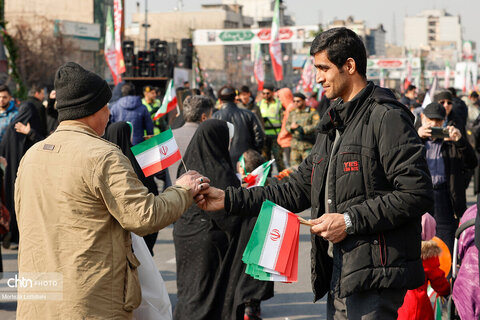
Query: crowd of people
x,y
381,174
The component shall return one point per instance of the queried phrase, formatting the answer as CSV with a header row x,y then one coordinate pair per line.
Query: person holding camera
x,y
448,155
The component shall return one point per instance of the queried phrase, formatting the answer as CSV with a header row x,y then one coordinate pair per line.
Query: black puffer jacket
x,y
248,130
379,176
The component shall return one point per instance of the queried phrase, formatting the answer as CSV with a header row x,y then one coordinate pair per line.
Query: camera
x,y
438,132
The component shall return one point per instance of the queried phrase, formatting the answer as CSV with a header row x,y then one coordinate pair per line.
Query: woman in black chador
x,y
211,279
22,133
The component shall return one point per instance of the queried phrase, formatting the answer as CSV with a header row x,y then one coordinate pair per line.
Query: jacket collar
x,y
339,115
229,104
77,126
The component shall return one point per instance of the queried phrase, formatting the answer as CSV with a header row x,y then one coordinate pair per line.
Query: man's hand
x,y
53,95
211,199
330,226
424,132
294,126
454,133
194,181
21,128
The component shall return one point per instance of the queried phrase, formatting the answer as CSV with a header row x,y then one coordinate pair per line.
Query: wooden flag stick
x,y
304,222
184,166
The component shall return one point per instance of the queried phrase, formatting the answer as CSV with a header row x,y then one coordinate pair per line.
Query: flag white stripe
x,y
153,155
271,249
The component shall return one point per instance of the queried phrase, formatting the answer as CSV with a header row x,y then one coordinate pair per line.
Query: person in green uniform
x,y
272,113
301,124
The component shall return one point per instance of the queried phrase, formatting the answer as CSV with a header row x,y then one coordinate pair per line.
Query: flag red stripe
x,y
170,106
159,166
287,243
294,276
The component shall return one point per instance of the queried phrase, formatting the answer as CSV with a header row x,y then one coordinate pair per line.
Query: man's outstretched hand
x,y
211,199
194,181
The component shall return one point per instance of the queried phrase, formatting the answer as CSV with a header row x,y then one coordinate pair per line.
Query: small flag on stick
x,y
272,251
258,176
157,153
169,102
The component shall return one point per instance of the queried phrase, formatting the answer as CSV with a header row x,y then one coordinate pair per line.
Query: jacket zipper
x,y
313,169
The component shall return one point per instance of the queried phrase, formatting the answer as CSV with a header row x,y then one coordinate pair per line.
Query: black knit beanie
x,y
80,93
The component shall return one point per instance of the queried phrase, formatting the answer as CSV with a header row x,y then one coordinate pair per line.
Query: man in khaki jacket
x,y
77,200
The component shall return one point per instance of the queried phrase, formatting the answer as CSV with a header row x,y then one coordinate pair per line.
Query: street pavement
x,y
291,301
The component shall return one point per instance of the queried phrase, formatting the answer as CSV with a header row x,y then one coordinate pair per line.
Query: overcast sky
x,y
373,12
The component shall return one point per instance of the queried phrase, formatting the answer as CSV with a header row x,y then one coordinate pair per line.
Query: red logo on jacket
x,y
350,166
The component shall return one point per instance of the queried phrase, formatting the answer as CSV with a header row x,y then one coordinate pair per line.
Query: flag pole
x,y
303,221
184,166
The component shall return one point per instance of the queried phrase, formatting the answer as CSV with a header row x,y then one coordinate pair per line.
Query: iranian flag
x,y
157,153
275,47
118,19
258,176
169,102
109,49
258,69
272,251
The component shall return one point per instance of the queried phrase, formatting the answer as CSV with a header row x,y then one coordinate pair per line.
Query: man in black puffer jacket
x,y
248,130
367,182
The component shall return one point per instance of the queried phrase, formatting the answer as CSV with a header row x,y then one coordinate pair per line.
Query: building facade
x,y
432,29
80,23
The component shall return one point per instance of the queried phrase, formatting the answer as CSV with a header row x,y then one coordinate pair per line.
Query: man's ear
x,y
350,66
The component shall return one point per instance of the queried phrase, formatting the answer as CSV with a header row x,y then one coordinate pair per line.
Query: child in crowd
x,y
416,304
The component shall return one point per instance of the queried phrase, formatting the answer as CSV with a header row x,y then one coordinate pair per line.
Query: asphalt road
x,y
291,301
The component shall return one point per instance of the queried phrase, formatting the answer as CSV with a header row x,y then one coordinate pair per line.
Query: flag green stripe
x,y
260,231
152,142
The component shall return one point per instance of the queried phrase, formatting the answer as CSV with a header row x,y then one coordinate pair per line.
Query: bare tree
x,y
41,51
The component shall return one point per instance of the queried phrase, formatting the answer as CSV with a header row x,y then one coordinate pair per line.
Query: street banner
x,y
258,176
272,251
225,37
169,102
157,153
275,47
118,19
110,52
258,67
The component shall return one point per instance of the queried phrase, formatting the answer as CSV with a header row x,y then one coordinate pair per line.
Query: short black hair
x,y
128,89
244,89
269,86
341,44
411,87
474,94
253,159
4,87
227,93
34,89
195,106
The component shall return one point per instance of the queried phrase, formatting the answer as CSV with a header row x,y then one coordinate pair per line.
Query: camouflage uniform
x,y
303,137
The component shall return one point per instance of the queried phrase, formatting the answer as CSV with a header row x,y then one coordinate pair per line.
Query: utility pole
x,y
146,25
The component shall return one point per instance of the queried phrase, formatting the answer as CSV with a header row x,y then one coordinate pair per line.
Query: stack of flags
x,y
272,251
